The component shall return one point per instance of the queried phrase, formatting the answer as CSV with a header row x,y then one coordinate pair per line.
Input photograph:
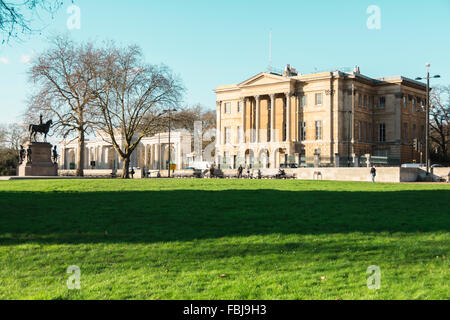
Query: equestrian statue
x,y
42,128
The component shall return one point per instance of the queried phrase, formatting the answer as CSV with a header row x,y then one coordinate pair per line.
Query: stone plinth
x,y
41,164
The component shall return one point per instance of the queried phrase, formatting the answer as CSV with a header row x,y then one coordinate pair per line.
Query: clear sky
x,y
211,43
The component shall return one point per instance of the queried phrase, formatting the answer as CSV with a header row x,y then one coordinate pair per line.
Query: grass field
x,y
223,239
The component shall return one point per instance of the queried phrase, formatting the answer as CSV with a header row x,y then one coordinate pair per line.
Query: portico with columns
x,y
279,119
260,121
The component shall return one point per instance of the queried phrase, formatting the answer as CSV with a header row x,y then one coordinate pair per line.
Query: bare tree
x,y
63,77
3,136
440,120
15,135
186,118
11,137
132,96
16,17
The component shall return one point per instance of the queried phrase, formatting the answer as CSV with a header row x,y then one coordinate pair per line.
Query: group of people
x,y
250,173
282,173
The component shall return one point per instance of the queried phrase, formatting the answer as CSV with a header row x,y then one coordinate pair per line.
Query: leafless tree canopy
x,y
186,118
440,122
16,17
132,97
63,77
11,137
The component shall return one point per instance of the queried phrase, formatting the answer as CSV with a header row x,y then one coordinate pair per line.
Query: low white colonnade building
x,y
152,153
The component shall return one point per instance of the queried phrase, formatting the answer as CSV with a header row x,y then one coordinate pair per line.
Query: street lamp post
x,y
169,111
427,134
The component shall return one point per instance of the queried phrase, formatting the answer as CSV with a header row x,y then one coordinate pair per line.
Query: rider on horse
x,y
42,128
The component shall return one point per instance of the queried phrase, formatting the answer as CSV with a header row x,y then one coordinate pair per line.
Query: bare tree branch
x,y
16,18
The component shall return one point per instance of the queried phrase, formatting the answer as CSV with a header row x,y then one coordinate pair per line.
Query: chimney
x,y
289,72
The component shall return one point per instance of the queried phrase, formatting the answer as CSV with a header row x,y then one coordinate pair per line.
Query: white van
x,y
200,165
413,165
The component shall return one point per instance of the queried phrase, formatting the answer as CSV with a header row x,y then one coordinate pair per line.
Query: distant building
x,y
273,119
151,154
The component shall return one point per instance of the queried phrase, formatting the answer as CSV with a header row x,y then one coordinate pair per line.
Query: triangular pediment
x,y
261,79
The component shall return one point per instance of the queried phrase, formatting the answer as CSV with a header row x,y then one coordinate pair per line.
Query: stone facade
x,y
274,119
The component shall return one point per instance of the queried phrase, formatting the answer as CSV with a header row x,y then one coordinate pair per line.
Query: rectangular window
x,y
302,132
360,131
382,132
239,135
414,128
365,132
303,101
227,135
226,159
240,106
405,131
414,105
365,102
228,108
318,130
382,102
370,137
405,102
359,100
318,99
371,101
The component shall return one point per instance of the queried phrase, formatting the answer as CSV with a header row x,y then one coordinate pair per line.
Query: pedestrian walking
x,y
373,172
240,171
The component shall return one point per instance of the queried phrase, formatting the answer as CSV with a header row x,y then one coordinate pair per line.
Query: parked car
x,y
197,173
289,166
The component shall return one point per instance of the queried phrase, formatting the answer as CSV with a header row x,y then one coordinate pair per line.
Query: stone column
x,y
337,160
153,156
356,158
62,161
219,123
258,105
179,157
244,114
316,159
288,116
272,118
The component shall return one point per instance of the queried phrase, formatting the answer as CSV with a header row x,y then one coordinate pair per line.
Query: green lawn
x,y
223,239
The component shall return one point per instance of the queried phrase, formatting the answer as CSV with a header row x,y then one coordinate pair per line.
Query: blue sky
x,y
211,43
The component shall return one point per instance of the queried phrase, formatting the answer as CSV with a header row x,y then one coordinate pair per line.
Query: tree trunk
x,y
80,154
126,168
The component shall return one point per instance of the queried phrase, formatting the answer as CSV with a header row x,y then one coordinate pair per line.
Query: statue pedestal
x,y
41,164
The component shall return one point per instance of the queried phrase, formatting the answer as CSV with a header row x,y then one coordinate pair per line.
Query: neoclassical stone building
x,y
151,154
273,119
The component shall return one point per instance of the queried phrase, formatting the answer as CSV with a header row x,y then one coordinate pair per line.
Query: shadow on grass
x,y
184,215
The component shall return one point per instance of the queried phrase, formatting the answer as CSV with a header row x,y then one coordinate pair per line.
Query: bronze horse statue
x,y
40,128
